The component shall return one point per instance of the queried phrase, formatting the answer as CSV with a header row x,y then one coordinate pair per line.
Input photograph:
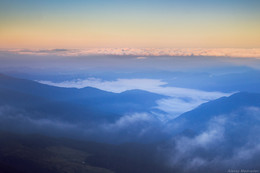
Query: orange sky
x,y
158,24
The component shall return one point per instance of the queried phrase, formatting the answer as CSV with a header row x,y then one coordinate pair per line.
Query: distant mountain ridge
x,y
197,118
87,101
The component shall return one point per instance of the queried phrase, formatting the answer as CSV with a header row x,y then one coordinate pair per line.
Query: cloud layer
x,y
180,99
141,53
228,142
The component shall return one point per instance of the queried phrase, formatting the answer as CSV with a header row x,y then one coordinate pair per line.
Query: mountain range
x,y
216,136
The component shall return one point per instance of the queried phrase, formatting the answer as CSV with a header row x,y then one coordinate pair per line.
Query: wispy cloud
x,y
180,99
129,120
16,119
142,53
141,57
175,106
227,142
116,86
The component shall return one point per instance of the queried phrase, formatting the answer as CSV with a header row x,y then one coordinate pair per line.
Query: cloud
x,y
135,127
139,126
253,111
127,128
61,52
127,121
191,153
141,57
117,86
19,120
206,139
176,106
180,99
144,52
150,85
228,142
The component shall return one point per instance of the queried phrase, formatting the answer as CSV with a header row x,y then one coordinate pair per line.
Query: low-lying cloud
x,y
180,99
19,120
128,120
137,126
117,86
229,142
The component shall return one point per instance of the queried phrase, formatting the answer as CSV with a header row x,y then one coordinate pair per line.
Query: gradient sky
x,y
129,23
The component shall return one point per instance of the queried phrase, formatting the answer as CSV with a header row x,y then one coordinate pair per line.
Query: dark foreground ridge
x,y
37,153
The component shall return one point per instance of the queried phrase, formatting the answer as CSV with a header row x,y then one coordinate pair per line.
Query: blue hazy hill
x,y
198,118
75,104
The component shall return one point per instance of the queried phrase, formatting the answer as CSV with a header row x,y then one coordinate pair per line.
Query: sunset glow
x,y
157,24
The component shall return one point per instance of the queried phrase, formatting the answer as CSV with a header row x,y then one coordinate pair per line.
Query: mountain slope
x,y
197,118
58,93
46,91
37,153
217,136
87,101
79,113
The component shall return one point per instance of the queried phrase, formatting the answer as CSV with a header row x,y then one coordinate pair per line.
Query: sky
x,y
135,24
